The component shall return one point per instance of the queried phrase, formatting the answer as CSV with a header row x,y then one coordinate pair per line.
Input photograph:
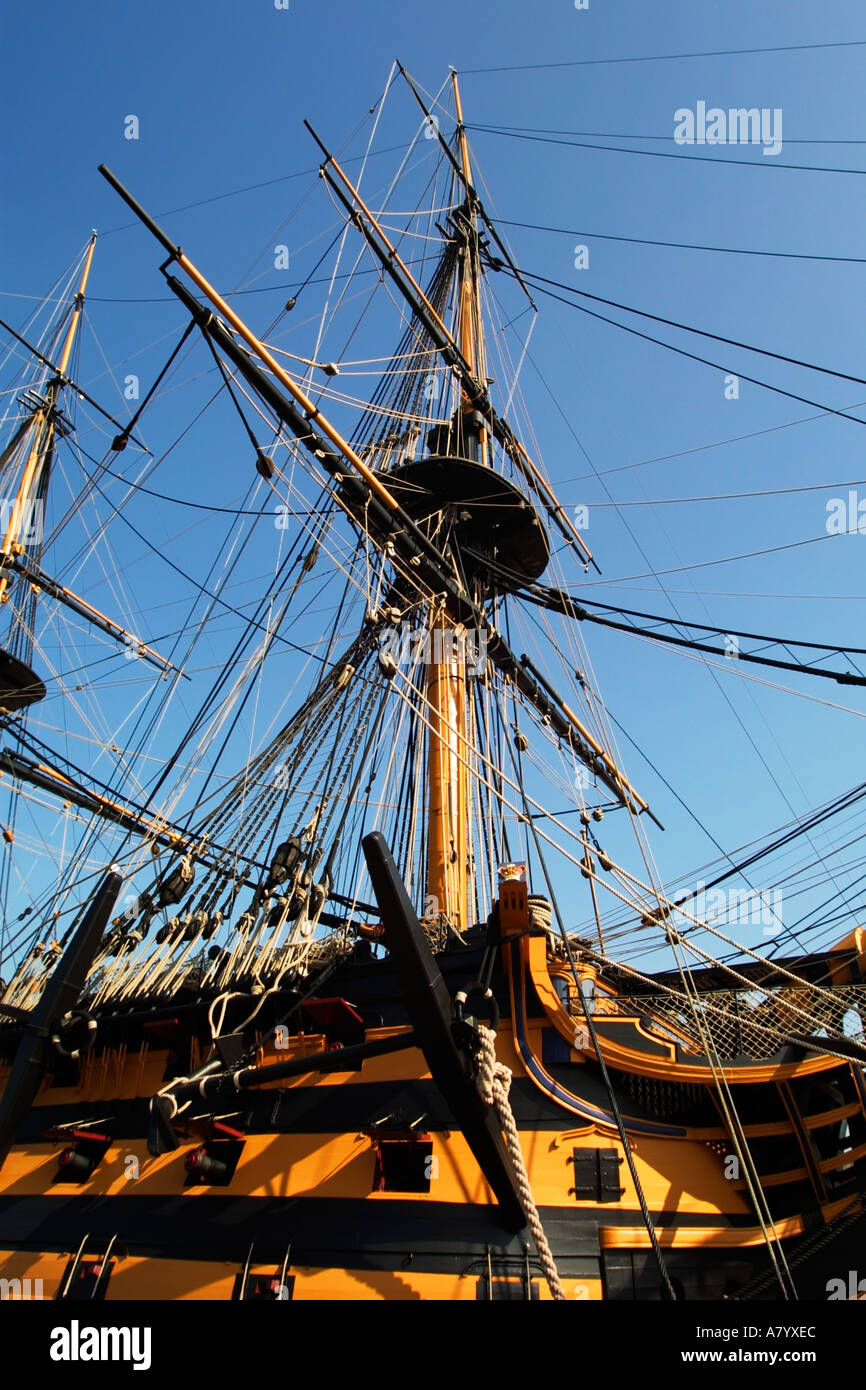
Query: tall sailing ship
x,y
325,976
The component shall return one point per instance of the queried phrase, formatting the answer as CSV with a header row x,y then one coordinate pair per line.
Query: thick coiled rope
x,y
494,1083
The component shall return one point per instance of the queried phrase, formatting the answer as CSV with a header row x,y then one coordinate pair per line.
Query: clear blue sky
x,y
221,89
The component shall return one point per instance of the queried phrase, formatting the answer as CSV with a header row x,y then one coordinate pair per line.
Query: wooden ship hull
x,y
357,1181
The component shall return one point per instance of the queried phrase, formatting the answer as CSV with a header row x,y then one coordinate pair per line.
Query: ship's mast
x,y
459,530
31,450
449,841
40,431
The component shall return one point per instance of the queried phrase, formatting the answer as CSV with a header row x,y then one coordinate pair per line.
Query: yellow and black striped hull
x,y
358,1184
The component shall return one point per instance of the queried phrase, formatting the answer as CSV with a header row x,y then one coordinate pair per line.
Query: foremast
x,y
31,452
40,430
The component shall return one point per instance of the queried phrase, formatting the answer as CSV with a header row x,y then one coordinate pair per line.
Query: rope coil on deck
x,y
494,1083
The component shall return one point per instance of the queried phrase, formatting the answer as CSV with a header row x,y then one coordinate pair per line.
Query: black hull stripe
x,y
323,1231
310,1110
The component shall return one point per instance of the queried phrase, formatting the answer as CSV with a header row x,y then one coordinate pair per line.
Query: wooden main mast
x,y
449,842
